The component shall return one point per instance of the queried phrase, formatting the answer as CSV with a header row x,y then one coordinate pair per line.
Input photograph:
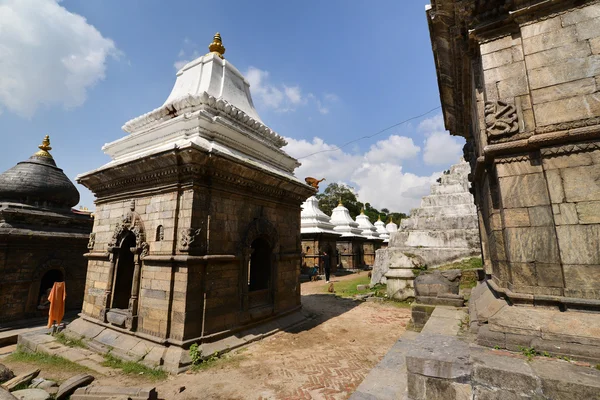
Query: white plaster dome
x,y
391,227
344,224
380,226
313,220
367,228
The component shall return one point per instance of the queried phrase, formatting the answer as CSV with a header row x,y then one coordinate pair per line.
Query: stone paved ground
x,y
326,359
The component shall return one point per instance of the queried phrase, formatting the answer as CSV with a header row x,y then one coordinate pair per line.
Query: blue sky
x,y
321,74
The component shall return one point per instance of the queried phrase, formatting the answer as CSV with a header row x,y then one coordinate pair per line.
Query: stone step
x,y
445,189
449,199
439,222
458,209
451,238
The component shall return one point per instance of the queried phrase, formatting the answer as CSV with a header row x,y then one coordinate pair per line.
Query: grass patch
x,y
47,360
63,339
348,288
214,361
133,368
469,263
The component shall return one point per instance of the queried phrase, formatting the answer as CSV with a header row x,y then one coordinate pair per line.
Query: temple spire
x,y
216,46
44,148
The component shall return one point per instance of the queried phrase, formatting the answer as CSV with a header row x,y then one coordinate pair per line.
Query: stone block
x,y
508,373
21,379
588,29
568,214
518,168
541,216
438,356
539,27
497,58
570,109
109,392
493,75
588,212
516,217
543,59
578,244
582,276
499,44
555,186
595,45
564,90
71,384
581,14
31,394
524,191
484,393
561,380
549,40
532,244
549,275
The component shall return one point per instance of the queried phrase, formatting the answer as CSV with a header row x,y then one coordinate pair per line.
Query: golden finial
x,y
379,217
44,148
340,203
362,211
217,45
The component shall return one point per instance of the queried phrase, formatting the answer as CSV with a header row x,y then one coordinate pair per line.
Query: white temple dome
x,y
210,109
344,224
367,228
313,220
383,233
391,227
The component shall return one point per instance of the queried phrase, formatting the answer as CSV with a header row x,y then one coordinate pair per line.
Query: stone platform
x,y
130,347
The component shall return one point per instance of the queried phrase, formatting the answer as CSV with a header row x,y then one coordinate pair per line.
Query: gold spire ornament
x,y
340,203
44,148
216,46
362,211
379,217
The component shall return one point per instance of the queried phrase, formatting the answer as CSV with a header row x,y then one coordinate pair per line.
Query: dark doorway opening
x,y
51,276
259,273
124,266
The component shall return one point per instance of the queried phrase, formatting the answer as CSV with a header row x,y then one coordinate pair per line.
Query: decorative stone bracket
x,y
500,119
188,237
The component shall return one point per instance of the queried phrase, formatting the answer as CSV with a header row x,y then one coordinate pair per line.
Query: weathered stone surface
x,y
439,356
6,395
70,385
31,394
561,380
21,379
109,392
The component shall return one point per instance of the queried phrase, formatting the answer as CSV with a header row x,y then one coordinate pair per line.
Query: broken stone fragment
x,y
6,395
21,379
70,385
32,394
114,393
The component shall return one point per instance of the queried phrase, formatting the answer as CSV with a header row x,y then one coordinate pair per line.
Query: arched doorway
x,y
259,273
123,280
51,276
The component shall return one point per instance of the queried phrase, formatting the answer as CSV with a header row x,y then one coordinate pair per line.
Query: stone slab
x,y
24,378
109,392
439,356
73,383
31,394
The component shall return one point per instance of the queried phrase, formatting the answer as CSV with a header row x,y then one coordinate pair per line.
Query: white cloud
x,y
184,60
379,180
281,97
394,148
48,56
440,147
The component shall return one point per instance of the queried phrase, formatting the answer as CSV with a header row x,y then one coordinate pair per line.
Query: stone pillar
x,y
400,276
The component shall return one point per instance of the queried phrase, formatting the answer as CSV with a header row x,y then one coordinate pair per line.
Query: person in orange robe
x,y
57,303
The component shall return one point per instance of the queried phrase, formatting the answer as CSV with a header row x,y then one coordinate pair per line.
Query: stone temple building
x,y
197,228
318,236
519,79
373,241
42,240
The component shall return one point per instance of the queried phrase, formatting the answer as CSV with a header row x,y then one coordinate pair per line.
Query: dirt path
x,y
325,359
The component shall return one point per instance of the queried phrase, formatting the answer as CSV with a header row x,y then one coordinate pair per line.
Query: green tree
x,y
333,194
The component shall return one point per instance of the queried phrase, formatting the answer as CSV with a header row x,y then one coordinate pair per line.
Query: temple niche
x,y
197,229
519,80
42,239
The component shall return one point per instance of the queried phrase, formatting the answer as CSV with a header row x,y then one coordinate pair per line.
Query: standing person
x,y
326,265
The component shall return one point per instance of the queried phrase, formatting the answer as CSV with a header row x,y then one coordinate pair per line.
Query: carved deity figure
x,y
188,236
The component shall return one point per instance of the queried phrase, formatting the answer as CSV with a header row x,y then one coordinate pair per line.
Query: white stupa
x,y
209,108
313,220
344,224
391,227
383,233
368,230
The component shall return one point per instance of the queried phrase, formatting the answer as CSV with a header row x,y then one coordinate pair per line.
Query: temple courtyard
x,y
325,358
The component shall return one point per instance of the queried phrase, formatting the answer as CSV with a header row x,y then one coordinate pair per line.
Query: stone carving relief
x,y
130,221
92,241
500,119
160,233
188,236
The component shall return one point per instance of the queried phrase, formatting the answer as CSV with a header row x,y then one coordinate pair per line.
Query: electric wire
x,y
370,136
